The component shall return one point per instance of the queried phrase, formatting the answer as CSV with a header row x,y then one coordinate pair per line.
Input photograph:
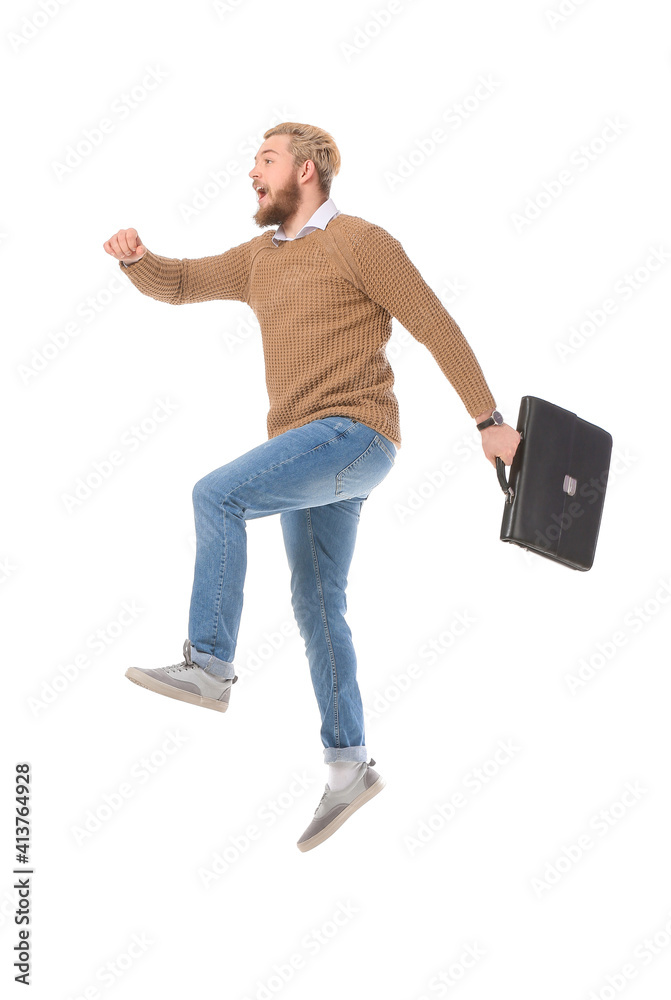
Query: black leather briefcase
x,y
557,484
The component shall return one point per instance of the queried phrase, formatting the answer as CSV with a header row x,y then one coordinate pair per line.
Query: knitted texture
x,y
325,303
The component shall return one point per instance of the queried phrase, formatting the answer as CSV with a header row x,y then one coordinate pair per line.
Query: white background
x,y
381,78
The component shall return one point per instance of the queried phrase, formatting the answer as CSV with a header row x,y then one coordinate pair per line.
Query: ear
x,y
308,170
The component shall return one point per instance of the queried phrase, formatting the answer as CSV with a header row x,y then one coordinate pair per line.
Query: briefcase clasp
x,y
569,485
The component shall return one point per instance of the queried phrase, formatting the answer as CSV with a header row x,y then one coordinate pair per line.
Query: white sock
x,y
342,773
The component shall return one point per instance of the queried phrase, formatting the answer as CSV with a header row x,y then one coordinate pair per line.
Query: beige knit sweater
x,y
324,303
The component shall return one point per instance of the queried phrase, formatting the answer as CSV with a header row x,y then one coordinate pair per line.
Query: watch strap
x,y
490,420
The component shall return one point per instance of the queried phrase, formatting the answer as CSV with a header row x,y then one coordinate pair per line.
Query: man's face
x,y
275,179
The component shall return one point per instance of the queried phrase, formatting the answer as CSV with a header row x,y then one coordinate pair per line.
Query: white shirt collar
x,y
318,220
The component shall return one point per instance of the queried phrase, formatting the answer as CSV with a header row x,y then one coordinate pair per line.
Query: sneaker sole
x,y
336,823
136,675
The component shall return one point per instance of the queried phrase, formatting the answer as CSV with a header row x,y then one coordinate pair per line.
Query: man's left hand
x,y
501,440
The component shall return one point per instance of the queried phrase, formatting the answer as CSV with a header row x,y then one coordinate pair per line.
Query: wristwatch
x,y
495,418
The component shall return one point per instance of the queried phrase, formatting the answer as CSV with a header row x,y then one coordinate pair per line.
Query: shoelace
x,y
187,663
326,790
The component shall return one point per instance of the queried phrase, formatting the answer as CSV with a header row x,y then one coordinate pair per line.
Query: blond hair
x,y
310,143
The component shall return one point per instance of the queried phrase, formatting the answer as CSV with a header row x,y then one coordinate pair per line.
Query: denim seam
x,y
220,586
320,590
385,449
339,490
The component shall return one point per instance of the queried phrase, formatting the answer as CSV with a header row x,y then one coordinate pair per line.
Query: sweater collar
x,y
319,219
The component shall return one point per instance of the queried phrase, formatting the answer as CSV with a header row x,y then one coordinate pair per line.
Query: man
x,y
324,286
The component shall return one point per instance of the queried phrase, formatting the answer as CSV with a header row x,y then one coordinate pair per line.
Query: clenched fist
x,y
125,245
500,440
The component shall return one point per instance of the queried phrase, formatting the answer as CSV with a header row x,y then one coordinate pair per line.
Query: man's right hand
x,y
125,245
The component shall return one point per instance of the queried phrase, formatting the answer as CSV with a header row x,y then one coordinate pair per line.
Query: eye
x,y
268,161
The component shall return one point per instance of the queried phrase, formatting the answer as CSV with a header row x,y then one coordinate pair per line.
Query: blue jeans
x,y
316,477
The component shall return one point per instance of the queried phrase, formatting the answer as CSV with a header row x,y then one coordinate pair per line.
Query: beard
x,y
278,205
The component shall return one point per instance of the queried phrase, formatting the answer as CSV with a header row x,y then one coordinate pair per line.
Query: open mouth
x,y
261,193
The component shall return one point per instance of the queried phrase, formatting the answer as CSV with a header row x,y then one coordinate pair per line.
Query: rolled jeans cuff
x,y
333,754
212,664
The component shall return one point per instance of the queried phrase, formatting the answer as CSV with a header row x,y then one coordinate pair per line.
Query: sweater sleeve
x,y
169,279
391,280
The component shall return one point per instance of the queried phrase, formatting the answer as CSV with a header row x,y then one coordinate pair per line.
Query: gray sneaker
x,y
186,681
335,807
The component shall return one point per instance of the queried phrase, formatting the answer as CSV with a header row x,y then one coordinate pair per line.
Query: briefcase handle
x,y
501,473
505,485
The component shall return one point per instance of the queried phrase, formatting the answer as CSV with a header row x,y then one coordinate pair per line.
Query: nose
x,y
254,172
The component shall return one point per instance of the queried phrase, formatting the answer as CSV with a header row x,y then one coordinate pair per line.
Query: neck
x,y
295,222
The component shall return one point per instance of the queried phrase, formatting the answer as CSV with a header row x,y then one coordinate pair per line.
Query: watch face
x,y
496,417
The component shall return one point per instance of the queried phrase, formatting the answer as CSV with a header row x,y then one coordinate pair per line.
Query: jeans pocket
x,y
366,472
